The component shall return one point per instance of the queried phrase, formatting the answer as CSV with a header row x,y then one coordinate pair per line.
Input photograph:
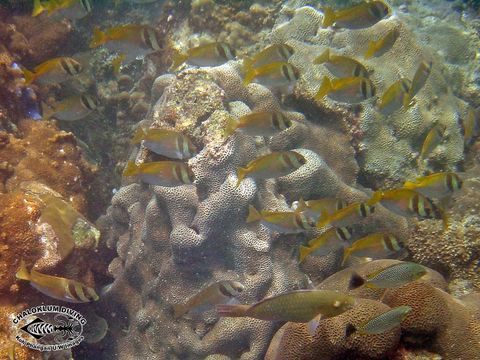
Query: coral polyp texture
x,y
173,241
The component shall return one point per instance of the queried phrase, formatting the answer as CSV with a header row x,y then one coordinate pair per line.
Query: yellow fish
x,y
276,74
57,287
381,323
217,293
52,71
161,173
273,53
289,222
71,9
406,202
295,306
379,47
132,40
392,276
212,54
376,246
331,240
470,125
420,78
432,140
71,109
395,97
436,186
265,123
341,66
314,209
348,90
272,165
349,215
165,142
360,16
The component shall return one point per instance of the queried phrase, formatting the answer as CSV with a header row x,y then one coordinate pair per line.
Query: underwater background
x,y
242,179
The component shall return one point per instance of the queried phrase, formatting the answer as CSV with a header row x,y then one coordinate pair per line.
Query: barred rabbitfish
x,y
317,208
287,222
272,53
341,66
360,16
57,287
52,71
349,215
161,173
212,54
437,185
217,293
265,123
331,240
72,108
377,48
395,97
349,90
70,9
275,74
375,246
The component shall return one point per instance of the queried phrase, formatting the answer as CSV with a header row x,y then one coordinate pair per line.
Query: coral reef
x,y
434,323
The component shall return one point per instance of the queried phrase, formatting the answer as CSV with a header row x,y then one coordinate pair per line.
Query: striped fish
x,y
57,287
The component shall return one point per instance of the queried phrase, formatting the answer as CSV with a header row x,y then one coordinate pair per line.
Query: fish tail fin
x,y
346,255
99,38
325,88
328,16
301,205
355,281
370,50
409,185
229,310
28,75
247,65
139,135
22,272
324,57
250,74
376,197
179,310
131,169
253,214
323,219
178,59
350,329
304,251
241,173
38,8
117,63
231,126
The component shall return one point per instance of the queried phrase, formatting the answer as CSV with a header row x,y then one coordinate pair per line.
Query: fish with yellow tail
x,y
316,208
53,71
265,123
420,78
374,246
276,74
72,108
331,240
437,185
287,222
169,143
380,323
57,287
433,138
272,53
392,276
296,306
211,54
349,90
395,97
217,293
161,173
360,16
470,125
407,202
349,215
377,48
132,40
341,66
273,165
70,9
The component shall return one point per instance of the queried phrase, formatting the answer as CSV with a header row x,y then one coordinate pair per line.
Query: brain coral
x,y
171,242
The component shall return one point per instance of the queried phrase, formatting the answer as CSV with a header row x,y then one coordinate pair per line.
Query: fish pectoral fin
x,y
312,325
